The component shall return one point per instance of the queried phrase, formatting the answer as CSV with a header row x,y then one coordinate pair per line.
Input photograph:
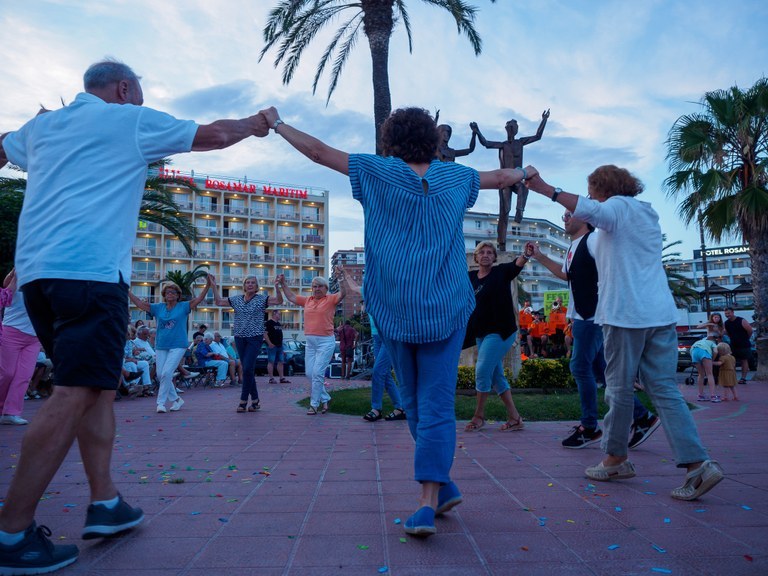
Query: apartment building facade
x,y
244,228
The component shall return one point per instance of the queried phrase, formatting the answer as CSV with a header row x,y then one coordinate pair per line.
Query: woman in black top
x,y
495,329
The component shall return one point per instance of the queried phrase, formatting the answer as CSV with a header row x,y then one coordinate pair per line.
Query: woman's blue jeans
x,y
248,349
427,375
489,370
382,377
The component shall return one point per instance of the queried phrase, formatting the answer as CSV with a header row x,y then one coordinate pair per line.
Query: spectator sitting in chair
x,y
273,336
41,384
132,362
220,348
206,357
538,336
145,350
232,353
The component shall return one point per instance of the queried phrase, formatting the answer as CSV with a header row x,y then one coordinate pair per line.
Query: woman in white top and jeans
x,y
638,316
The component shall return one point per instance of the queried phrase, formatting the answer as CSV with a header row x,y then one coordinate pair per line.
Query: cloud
x,y
232,100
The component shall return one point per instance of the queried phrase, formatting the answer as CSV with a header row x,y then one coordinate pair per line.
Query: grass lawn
x,y
533,407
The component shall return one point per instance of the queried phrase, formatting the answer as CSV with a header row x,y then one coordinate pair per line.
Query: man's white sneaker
x,y
194,374
161,409
179,390
14,420
177,404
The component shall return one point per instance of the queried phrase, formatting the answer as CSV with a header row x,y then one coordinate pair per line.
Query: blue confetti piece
x,y
650,493
69,505
659,549
746,507
383,570
667,520
618,508
194,513
700,510
223,520
661,570
397,520
613,547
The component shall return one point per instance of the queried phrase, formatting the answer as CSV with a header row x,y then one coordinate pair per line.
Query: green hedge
x,y
535,373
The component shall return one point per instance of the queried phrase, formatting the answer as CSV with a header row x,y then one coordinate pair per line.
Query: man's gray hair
x,y
207,336
107,72
141,329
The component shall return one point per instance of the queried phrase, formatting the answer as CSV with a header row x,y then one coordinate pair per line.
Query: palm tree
x,y
293,25
159,207
719,158
186,280
683,288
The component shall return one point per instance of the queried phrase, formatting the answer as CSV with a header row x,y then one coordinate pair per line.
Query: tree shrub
x,y
535,373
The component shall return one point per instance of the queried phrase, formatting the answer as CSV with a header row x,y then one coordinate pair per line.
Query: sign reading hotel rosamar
x,y
723,251
232,185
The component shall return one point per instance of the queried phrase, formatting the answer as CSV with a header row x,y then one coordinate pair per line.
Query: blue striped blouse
x,y
416,282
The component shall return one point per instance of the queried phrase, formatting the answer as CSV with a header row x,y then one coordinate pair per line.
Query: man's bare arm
x,y
224,133
3,157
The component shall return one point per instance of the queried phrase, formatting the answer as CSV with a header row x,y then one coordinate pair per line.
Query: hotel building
x,y
244,228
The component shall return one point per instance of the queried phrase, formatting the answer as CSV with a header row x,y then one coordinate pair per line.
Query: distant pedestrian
x,y
703,353
347,343
739,334
275,351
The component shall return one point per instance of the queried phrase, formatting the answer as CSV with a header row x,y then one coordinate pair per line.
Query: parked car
x,y
294,358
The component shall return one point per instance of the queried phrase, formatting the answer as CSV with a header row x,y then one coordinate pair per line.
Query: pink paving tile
x,y
342,523
244,552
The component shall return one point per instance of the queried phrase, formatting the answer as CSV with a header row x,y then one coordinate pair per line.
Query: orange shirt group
x,y
557,319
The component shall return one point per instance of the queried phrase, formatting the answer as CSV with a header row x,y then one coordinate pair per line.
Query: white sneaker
x,y
177,404
11,419
161,409
179,390
194,374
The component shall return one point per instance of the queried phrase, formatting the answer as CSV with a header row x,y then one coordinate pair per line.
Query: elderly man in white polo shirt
x,y
87,167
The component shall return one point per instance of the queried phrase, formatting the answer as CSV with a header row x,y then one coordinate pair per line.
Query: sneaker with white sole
x,y
603,473
582,437
161,409
642,428
36,554
177,404
13,420
101,521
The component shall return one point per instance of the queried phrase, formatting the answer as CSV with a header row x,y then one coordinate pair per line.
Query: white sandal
x,y
699,481
603,473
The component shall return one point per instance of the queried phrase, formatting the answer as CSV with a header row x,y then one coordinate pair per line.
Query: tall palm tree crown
x,y
293,24
718,160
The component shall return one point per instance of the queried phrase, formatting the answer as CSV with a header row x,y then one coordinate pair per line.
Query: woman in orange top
x,y
319,310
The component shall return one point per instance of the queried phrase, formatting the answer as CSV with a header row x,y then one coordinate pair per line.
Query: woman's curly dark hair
x,y
411,135
611,180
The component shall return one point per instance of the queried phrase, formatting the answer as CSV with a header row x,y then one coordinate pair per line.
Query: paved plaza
x,y
278,492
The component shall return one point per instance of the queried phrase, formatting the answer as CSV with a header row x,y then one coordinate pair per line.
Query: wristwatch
x,y
276,124
555,194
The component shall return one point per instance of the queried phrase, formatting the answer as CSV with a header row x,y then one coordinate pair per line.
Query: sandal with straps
x,y
312,411
372,416
473,426
513,425
241,406
254,406
396,414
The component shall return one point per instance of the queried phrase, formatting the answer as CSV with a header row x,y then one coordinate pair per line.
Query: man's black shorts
x,y
82,327
742,353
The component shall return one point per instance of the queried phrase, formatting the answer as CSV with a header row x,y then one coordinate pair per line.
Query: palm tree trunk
x,y
378,24
758,253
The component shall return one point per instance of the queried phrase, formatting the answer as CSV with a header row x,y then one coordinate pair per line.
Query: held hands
x,y
270,116
259,125
279,280
537,184
536,249
545,114
530,172
473,126
530,249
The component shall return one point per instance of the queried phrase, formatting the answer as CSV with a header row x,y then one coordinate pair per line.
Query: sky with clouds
x,y
615,75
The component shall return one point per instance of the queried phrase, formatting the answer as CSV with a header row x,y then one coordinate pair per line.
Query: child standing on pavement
x,y
703,352
727,377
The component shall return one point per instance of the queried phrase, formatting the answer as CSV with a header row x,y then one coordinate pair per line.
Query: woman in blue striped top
x,y
416,282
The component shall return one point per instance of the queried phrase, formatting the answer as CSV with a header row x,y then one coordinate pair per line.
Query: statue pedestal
x,y
512,359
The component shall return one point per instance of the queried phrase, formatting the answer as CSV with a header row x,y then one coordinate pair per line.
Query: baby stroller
x,y
690,380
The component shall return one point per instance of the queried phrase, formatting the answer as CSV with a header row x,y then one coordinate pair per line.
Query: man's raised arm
x,y
224,133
